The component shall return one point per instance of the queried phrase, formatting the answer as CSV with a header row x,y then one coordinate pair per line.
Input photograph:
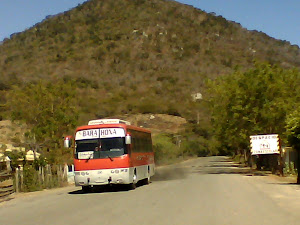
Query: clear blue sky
x,y
277,18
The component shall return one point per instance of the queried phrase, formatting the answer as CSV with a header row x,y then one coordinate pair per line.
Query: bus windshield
x,y
100,148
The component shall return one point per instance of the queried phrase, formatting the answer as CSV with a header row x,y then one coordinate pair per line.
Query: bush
x,y
4,86
166,152
31,179
148,106
196,148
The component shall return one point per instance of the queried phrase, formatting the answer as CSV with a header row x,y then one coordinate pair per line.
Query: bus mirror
x,y
68,142
128,140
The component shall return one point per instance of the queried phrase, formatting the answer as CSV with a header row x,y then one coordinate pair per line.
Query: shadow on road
x,y
105,189
225,165
222,160
287,184
246,173
220,167
204,166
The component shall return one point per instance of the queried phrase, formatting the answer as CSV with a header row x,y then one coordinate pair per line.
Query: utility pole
x,y
196,97
178,142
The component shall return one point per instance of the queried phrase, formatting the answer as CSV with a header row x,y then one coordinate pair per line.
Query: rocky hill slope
x,y
135,56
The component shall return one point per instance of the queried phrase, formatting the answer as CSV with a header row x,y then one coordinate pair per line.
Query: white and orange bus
x,y
111,151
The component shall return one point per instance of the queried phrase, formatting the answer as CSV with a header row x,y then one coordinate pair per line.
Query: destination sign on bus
x,y
100,133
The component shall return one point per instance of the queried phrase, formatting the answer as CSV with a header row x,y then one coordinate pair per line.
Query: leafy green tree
x,y
252,102
49,110
293,133
16,158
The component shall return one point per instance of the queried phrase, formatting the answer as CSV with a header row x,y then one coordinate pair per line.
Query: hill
x,y
11,132
157,123
135,56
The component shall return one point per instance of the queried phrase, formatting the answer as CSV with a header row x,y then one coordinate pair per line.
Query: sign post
x,y
265,145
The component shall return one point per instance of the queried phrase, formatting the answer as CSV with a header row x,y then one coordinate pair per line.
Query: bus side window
x,y
145,146
138,145
133,147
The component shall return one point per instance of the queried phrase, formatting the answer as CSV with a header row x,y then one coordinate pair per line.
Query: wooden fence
x,y
30,179
6,185
50,176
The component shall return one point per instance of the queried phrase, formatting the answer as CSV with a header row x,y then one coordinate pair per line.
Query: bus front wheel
x,y
86,189
132,186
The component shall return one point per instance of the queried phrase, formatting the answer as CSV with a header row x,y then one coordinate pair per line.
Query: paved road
x,y
202,191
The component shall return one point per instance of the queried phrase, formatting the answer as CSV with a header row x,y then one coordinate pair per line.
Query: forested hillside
x,y
121,57
147,55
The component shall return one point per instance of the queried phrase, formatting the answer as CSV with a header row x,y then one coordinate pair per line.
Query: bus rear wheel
x,y
147,179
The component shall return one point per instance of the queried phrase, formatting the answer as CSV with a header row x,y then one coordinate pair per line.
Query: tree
x,y
49,110
16,157
293,134
252,102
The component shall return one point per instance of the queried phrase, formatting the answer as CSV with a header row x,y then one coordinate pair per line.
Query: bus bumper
x,y
103,177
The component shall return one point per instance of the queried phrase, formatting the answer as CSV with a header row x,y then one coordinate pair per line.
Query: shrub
x,y
148,106
196,148
166,152
31,179
4,86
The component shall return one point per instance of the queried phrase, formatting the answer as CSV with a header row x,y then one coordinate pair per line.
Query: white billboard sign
x,y
100,133
265,144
